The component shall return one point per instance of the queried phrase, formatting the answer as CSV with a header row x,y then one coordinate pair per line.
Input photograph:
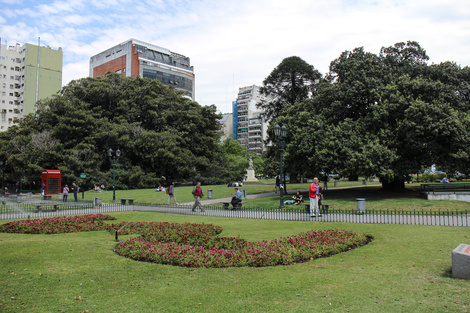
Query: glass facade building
x,y
136,58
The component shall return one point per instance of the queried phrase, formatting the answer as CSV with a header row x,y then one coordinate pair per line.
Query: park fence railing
x,y
16,208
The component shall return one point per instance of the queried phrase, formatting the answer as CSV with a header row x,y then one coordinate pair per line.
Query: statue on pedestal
x,y
250,172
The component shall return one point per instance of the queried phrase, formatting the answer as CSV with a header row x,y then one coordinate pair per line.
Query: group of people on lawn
x,y
314,194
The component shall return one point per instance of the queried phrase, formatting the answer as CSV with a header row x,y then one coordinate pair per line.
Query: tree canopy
x,y
160,134
386,115
290,82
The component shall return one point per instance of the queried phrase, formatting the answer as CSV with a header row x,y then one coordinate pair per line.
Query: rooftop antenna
x,y
37,71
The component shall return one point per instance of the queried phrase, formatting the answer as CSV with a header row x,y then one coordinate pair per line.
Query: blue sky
x,y
238,43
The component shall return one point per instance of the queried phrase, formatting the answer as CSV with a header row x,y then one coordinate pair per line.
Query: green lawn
x,y
405,269
183,193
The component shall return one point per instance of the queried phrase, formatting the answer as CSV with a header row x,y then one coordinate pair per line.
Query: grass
x,y
405,269
183,193
376,200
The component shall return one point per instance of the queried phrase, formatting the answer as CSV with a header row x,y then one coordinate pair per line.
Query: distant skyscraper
x,y
249,123
137,58
28,73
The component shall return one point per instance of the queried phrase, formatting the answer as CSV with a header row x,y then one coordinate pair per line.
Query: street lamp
x,y
281,133
114,160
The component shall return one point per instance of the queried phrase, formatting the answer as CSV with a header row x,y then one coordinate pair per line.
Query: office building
x,y
227,126
137,58
28,73
249,122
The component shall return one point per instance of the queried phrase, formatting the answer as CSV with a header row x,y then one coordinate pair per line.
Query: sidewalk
x,y
261,195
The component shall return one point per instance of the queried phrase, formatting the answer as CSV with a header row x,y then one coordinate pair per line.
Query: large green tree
x,y
291,81
386,115
160,134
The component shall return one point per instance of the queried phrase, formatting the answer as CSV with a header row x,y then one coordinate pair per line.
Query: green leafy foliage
x,y
387,115
160,134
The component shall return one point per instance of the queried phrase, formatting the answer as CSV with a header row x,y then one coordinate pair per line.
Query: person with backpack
x,y
170,191
198,194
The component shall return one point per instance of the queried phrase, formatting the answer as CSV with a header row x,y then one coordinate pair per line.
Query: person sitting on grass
x,y
298,198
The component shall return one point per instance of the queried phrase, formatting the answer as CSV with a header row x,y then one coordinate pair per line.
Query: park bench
x,y
227,205
130,201
39,207
47,197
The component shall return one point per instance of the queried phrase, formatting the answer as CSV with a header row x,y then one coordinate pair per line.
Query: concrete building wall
x,y
22,81
251,125
49,74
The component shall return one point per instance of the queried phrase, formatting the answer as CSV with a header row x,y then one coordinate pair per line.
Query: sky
x,y
238,43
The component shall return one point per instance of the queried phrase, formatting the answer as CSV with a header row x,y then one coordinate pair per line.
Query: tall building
x,y
28,73
137,58
227,126
249,123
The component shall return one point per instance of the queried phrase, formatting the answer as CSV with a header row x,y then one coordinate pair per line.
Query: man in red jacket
x,y
314,195
198,194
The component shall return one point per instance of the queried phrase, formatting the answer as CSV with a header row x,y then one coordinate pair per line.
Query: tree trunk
x,y
396,185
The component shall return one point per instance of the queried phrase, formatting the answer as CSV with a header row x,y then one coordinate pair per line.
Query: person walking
x,y
171,193
75,190
65,193
314,195
198,194
278,183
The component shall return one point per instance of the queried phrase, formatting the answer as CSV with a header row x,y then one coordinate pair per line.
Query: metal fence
x,y
21,208
448,188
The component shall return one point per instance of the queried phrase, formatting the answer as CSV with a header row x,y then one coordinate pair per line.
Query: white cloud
x,y
238,43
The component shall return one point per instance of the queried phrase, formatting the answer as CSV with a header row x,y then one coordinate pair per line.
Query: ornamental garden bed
x,y
198,245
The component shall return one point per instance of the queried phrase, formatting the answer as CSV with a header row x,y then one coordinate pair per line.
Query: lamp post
x,y
114,159
281,133
3,164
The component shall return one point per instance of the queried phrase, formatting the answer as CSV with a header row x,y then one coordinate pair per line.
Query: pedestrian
x,y
236,198
171,193
65,193
325,181
198,194
278,182
43,189
314,195
75,190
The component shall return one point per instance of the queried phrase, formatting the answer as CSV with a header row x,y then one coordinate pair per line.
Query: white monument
x,y
250,172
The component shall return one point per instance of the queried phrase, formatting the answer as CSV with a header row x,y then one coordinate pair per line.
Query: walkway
x,y
14,210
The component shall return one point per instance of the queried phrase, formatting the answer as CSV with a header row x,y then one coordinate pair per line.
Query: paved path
x,y
15,212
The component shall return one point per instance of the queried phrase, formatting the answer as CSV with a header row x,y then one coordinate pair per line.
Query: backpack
x,y
168,191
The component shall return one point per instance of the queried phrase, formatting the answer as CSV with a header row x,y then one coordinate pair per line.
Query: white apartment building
x,y
249,123
28,73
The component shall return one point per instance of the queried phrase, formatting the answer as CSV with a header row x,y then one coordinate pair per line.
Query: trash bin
x,y
18,199
29,195
96,202
336,183
361,205
61,196
209,193
243,193
364,182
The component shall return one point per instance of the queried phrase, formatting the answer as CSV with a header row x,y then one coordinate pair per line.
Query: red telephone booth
x,y
53,180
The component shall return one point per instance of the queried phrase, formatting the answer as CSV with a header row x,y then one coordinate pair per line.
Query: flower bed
x,y
57,225
197,245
